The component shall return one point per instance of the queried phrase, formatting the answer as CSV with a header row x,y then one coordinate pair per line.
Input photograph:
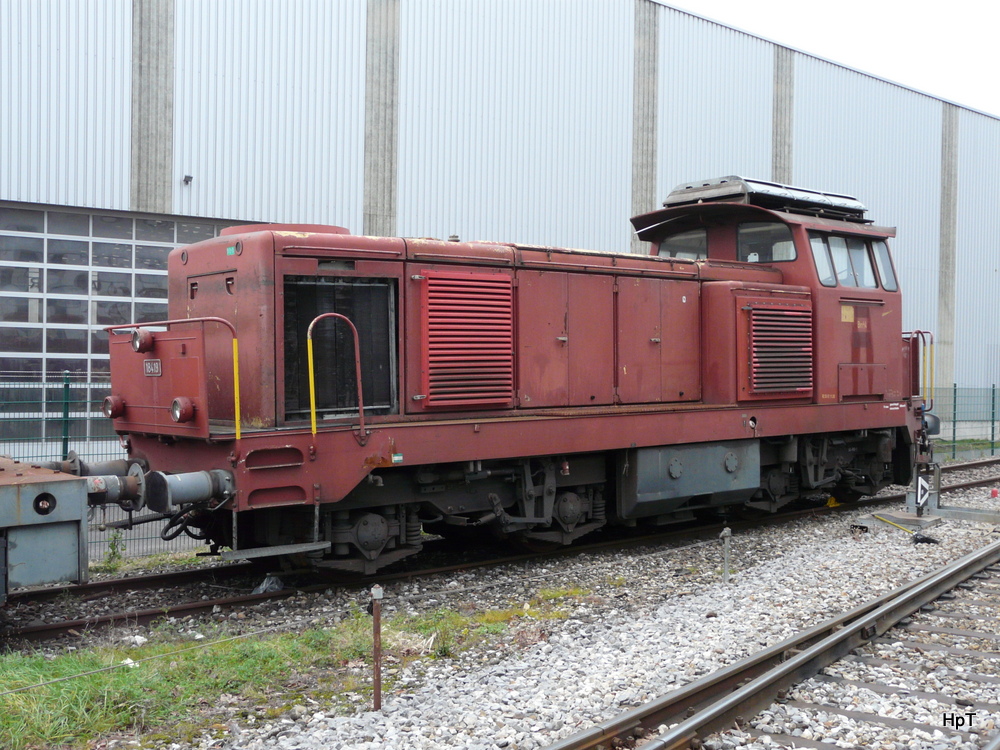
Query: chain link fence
x,y
970,422
45,420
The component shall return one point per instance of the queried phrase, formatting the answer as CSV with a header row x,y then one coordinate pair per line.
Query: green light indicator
x,y
231,250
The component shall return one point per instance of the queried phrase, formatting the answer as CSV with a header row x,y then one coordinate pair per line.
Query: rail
x,y
236,352
750,686
362,434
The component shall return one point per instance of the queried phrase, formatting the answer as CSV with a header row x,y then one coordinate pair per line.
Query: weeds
x,y
114,556
179,693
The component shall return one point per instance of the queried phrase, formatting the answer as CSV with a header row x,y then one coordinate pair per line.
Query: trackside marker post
x,y
377,647
725,536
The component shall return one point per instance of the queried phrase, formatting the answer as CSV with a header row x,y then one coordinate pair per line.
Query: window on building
x,y
20,279
66,340
151,257
20,339
111,313
147,312
63,268
106,284
147,285
154,230
114,227
114,255
66,311
67,223
21,220
16,249
69,252
66,281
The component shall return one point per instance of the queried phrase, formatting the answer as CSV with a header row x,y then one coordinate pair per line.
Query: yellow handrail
x,y
927,371
362,435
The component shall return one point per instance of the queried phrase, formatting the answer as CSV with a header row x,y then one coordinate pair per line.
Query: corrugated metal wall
x,y
515,121
882,144
65,101
715,101
977,322
269,110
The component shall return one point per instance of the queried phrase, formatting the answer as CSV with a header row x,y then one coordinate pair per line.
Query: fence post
x,y
954,420
993,419
65,419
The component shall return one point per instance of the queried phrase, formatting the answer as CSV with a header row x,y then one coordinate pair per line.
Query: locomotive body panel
x,y
514,385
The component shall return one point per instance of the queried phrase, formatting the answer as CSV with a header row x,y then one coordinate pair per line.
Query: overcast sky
x,y
948,49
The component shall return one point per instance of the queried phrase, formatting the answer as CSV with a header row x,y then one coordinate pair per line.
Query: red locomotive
x,y
325,394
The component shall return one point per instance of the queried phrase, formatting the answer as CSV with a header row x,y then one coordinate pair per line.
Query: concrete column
x,y
381,117
644,86
782,116
151,187
945,333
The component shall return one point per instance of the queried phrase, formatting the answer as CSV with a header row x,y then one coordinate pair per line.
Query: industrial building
x,y
132,126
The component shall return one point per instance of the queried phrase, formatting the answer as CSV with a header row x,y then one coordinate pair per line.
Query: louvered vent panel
x,y
469,349
782,350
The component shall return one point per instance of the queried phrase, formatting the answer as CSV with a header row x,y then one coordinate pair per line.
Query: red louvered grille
x,y
469,349
781,350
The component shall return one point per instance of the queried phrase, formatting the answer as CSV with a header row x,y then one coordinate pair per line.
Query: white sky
x,y
948,49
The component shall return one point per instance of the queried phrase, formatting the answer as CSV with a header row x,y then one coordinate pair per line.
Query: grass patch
x,y
151,694
117,563
174,694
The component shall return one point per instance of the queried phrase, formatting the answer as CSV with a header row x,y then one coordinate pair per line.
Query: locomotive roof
x,y
653,225
734,189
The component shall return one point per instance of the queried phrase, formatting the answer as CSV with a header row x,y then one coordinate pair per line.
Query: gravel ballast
x,y
653,622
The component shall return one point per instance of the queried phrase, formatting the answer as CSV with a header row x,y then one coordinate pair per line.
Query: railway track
x,y
233,573
819,672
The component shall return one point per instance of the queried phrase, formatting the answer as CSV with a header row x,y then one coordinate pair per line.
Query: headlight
x,y
142,340
114,406
182,409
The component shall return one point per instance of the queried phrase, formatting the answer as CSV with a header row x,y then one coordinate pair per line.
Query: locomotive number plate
x,y
152,368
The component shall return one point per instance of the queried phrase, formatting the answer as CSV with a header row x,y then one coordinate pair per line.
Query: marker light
x,y
142,340
114,406
182,409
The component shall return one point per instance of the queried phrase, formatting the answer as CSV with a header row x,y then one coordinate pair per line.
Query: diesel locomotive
x,y
320,394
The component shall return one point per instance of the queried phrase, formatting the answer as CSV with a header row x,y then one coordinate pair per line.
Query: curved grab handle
x,y
362,435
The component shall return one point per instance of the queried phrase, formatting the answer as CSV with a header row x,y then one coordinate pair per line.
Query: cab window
x,y
884,264
861,262
847,261
821,256
692,245
764,242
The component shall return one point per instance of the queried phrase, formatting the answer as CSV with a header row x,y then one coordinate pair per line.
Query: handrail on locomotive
x,y
142,340
362,434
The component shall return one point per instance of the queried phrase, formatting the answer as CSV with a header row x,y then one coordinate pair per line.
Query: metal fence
x,y
44,420
970,422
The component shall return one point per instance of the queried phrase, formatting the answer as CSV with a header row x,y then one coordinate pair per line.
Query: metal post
x,y
993,420
377,648
725,536
65,418
954,420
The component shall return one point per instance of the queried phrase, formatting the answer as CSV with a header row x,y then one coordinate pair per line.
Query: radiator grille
x,y
469,345
781,350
